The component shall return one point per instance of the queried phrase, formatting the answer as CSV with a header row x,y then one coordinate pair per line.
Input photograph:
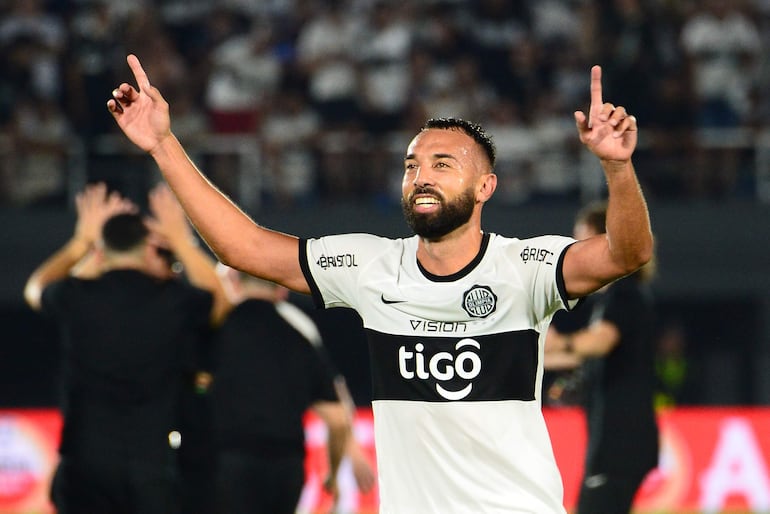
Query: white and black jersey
x,y
456,368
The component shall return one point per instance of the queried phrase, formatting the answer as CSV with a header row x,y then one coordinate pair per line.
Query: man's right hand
x,y
168,220
141,113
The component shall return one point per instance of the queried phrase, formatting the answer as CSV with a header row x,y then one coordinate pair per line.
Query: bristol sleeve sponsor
x,y
333,265
539,268
344,260
445,369
530,254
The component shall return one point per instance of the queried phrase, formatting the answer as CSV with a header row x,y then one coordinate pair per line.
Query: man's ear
x,y
488,186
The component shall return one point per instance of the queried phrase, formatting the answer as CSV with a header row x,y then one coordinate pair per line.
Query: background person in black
x,y
196,455
362,467
186,260
127,338
266,376
617,351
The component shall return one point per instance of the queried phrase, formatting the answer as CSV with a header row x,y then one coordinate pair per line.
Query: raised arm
x,y
169,222
143,115
94,206
610,133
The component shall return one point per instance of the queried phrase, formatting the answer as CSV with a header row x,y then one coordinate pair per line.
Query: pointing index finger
x,y
141,77
596,91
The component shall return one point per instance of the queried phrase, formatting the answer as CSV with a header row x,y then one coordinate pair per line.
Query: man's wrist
x,y
183,242
165,146
80,244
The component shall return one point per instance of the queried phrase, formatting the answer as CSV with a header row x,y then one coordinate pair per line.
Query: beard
x,y
448,217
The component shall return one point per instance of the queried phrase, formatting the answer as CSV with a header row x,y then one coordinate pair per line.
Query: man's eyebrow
x,y
435,156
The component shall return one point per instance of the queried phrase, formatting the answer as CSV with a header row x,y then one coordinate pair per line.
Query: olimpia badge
x,y
479,301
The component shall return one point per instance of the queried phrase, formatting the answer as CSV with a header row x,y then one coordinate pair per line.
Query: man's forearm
x,y
337,446
216,218
628,221
56,267
232,235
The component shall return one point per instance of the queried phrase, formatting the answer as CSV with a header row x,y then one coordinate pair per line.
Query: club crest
x,y
479,301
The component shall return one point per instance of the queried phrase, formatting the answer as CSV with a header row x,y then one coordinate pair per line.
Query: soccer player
x,y
455,316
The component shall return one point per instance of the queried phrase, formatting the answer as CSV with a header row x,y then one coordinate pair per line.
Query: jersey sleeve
x,y
333,266
540,261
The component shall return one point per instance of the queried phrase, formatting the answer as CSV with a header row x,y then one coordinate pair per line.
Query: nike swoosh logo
x,y
389,302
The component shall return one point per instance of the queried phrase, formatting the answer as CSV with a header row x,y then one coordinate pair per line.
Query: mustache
x,y
425,190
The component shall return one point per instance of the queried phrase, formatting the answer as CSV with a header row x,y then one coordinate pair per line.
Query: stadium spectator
x,y
344,56
724,48
325,50
44,38
244,75
383,64
94,39
290,133
40,133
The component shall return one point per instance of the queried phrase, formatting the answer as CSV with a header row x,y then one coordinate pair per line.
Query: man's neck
x,y
450,254
124,263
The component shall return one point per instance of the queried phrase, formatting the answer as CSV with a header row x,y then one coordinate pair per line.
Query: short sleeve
x,y
333,266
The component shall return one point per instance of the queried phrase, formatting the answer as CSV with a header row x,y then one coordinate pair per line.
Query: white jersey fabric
x,y
456,368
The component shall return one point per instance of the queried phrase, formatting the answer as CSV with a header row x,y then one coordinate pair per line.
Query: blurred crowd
x,y
324,89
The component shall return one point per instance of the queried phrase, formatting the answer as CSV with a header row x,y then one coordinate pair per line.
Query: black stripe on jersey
x,y
314,291
440,369
560,285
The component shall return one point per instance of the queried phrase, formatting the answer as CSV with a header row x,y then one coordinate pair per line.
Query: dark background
x,y
712,282
704,162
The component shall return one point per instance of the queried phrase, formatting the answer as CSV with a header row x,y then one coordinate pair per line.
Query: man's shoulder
x,y
528,240
67,286
300,321
362,238
530,249
351,251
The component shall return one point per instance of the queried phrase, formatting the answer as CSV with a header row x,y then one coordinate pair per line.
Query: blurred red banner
x,y
711,459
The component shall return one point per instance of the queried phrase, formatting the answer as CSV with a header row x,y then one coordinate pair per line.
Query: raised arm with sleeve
x,y
610,133
143,115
